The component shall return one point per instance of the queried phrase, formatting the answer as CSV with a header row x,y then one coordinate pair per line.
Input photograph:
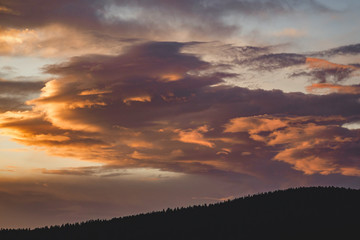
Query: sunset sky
x,y
117,107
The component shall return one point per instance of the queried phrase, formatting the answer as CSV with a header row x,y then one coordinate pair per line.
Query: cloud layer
x,y
156,107
28,29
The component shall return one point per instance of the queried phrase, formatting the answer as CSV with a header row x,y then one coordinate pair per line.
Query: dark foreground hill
x,y
302,213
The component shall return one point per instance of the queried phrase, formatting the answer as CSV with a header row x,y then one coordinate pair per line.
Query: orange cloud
x,y
331,88
323,64
171,77
57,108
94,92
195,136
309,165
15,41
303,141
137,99
254,125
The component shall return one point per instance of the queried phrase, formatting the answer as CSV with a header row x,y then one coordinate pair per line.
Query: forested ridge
x,y
297,213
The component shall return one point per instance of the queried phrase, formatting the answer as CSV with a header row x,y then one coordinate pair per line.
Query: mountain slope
x,y
302,213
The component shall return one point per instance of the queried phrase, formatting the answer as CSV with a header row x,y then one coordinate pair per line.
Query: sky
x,y
115,107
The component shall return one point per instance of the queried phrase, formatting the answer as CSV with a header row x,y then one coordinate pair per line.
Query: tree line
x,y
296,213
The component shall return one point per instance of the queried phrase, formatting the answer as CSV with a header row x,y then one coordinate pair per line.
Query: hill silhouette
x,y
300,213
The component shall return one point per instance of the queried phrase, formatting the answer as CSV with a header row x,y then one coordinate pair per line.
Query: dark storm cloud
x,y
153,106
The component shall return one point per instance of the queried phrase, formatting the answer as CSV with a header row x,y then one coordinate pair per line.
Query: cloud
x,y
52,41
119,110
271,62
85,20
81,12
30,15
107,171
324,71
13,94
323,64
19,87
304,140
353,49
260,65
195,136
299,65
333,88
